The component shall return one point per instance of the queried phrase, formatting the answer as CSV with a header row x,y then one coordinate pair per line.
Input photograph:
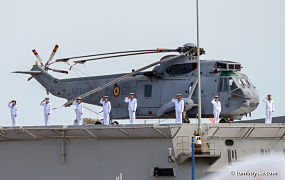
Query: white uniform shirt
x,y
269,105
47,107
13,108
179,105
79,107
106,106
132,104
216,105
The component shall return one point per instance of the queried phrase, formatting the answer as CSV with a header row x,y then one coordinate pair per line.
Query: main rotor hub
x,y
190,49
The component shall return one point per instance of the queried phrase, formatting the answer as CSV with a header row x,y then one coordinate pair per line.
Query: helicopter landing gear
x,y
186,120
114,122
225,120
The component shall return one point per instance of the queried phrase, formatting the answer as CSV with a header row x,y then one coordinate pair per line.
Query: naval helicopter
x,y
172,74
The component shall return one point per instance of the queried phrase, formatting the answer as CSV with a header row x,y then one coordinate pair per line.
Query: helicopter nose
x,y
254,99
251,99
246,103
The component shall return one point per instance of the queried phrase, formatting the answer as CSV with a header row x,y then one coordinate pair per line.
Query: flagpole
x,y
199,70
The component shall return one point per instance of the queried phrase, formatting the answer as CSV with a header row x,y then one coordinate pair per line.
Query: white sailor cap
x,y
216,96
46,97
178,95
79,98
13,100
132,93
105,96
268,94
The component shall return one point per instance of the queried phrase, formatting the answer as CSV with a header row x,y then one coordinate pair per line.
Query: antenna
x,y
199,71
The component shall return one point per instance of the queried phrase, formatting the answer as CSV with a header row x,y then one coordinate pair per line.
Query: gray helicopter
x,y
154,89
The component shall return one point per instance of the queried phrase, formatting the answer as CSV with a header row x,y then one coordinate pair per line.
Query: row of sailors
x,y
79,107
132,107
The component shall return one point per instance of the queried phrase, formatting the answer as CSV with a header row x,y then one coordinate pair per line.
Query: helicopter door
x,y
148,93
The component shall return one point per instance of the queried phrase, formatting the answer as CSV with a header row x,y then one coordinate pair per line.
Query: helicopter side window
x,y
179,69
147,90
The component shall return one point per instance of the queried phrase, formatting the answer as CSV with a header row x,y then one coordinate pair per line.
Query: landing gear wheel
x,y
115,122
98,122
186,120
225,120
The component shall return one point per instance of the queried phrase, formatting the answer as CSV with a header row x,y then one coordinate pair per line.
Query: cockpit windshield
x,y
232,82
226,84
243,82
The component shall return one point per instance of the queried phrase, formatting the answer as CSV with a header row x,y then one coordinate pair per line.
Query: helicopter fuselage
x,y
156,88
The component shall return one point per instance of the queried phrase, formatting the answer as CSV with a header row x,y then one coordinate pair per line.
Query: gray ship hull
x,y
103,152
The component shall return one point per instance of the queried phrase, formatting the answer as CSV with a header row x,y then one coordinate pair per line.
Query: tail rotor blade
x,y
38,56
30,78
52,54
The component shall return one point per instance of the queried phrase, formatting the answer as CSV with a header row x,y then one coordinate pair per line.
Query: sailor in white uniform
x,y
79,110
106,109
47,110
132,107
269,109
217,108
14,112
179,108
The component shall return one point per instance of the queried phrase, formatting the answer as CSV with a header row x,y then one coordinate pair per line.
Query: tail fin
x,y
45,79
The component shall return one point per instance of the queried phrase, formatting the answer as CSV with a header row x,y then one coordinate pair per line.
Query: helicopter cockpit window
x,y
244,82
147,90
247,82
232,84
223,84
241,82
179,69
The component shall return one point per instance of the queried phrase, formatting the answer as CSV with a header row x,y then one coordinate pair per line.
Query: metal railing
x,y
207,147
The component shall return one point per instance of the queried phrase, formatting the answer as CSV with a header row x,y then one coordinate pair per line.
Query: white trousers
x,y
132,116
106,117
47,119
13,118
217,116
268,119
79,118
178,117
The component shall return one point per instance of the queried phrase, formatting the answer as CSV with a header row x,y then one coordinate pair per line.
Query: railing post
x,y
193,158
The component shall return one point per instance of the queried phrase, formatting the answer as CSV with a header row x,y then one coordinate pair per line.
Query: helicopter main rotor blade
x,y
108,57
103,54
130,54
56,70
68,103
52,54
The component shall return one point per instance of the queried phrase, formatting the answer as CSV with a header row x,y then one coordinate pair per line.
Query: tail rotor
x,y
46,66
